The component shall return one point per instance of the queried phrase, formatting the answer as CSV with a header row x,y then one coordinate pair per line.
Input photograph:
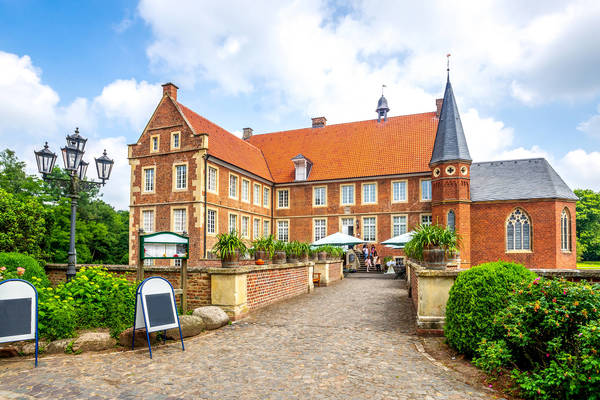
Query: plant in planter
x,y
279,254
228,248
305,251
434,245
264,248
294,251
322,252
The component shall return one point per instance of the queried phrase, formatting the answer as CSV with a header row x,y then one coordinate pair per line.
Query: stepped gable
x,y
401,145
532,178
228,147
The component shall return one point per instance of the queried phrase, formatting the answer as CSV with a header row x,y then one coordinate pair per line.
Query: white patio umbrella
x,y
399,240
338,239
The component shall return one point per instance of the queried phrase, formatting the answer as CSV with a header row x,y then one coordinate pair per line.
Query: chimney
x,y
438,105
171,90
319,122
247,133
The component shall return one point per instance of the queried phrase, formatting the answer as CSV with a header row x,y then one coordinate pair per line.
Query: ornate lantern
x,y
83,166
104,167
45,160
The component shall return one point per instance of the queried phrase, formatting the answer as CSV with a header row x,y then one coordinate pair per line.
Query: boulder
x,y
58,346
140,338
93,341
191,325
214,317
9,351
28,349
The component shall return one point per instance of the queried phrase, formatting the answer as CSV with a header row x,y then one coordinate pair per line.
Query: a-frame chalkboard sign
x,y
18,312
155,309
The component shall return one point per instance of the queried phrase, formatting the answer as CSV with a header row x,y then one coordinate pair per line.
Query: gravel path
x,y
352,340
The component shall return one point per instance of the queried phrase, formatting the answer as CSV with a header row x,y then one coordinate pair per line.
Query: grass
x,y
588,265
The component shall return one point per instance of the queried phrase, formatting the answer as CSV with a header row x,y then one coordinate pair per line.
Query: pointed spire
x,y
450,143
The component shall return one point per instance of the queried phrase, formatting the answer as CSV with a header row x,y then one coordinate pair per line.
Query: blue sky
x,y
524,75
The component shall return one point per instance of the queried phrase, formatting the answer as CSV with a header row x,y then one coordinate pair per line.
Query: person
x,y
377,262
368,263
373,251
365,250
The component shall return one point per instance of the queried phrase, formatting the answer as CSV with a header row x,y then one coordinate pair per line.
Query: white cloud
x,y
591,126
580,169
487,138
31,111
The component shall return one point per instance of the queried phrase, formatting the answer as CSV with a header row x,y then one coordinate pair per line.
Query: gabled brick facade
x,y
195,163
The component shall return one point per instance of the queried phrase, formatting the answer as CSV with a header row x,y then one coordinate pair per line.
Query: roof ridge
x,y
220,127
514,159
345,123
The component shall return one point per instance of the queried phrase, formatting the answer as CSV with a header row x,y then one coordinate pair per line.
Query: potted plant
x,y
264,248
305,252
293,251
434,245
322,253
279,256
312,254
228,248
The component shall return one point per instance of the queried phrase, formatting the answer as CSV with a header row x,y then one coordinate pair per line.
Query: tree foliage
x,y
588,225
35,218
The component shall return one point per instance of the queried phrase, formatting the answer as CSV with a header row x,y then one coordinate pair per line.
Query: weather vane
x,y
448,62
382,86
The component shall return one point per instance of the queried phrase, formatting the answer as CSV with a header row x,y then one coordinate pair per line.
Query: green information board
x,y
164,245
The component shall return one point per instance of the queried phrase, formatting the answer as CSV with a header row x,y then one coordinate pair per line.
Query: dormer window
x,y
303,166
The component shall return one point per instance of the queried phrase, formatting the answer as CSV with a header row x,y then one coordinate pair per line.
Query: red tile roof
x,y
228,147
401,145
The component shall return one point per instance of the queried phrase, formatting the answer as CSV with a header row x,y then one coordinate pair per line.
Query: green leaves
x,y
228,244
588,225
431,236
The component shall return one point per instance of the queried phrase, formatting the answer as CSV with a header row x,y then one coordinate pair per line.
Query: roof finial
x,y
448,63
382,86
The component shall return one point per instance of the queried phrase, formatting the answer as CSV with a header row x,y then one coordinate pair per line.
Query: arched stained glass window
x,y
518,231
451,220
565,231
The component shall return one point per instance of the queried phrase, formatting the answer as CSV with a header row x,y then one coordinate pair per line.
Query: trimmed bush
x,y
475,298
12,261
549,335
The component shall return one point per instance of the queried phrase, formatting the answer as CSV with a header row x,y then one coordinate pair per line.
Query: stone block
x,y
191,325
93,341
214,317
140,338
58,346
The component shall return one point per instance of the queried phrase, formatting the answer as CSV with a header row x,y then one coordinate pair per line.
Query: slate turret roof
x,y
450,143
532,178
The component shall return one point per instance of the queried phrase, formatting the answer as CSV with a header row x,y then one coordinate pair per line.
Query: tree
x,y
13,177
22,224
588,224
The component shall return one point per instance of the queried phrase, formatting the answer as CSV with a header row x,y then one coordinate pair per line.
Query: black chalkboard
x,y
15,315
160,309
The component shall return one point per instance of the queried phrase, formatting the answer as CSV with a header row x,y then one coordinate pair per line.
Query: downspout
x,y
272,208
205,156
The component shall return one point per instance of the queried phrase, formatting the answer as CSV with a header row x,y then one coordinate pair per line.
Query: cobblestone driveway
x,y
353,340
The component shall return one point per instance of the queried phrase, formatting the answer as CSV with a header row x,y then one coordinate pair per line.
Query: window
x,y
245,226
212,179
179,220
175,140
149,180
518,231
319,196
300,171
148,221
154,143
256,193
211,222
348,226
369,193
233,186
266,228
320,229
347,195
283,231
565,231
148,262
245,190
180,177
256,230
398,191
426,190
283,198
177,263
426,219
232,223
451,221
369,229
266,197
398,225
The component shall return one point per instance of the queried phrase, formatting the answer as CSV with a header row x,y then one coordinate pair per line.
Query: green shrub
x,y
12,261
551,329
57,316
474,299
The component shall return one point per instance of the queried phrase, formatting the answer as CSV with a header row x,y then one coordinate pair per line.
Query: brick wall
x,y
335,273
488,233
268,286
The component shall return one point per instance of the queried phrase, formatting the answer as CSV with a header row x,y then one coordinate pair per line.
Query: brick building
x,y
190,175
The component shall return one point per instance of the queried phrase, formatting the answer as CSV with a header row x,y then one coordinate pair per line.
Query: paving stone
x,y
352,340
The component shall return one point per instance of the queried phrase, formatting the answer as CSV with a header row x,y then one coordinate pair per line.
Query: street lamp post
x,y
73,160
